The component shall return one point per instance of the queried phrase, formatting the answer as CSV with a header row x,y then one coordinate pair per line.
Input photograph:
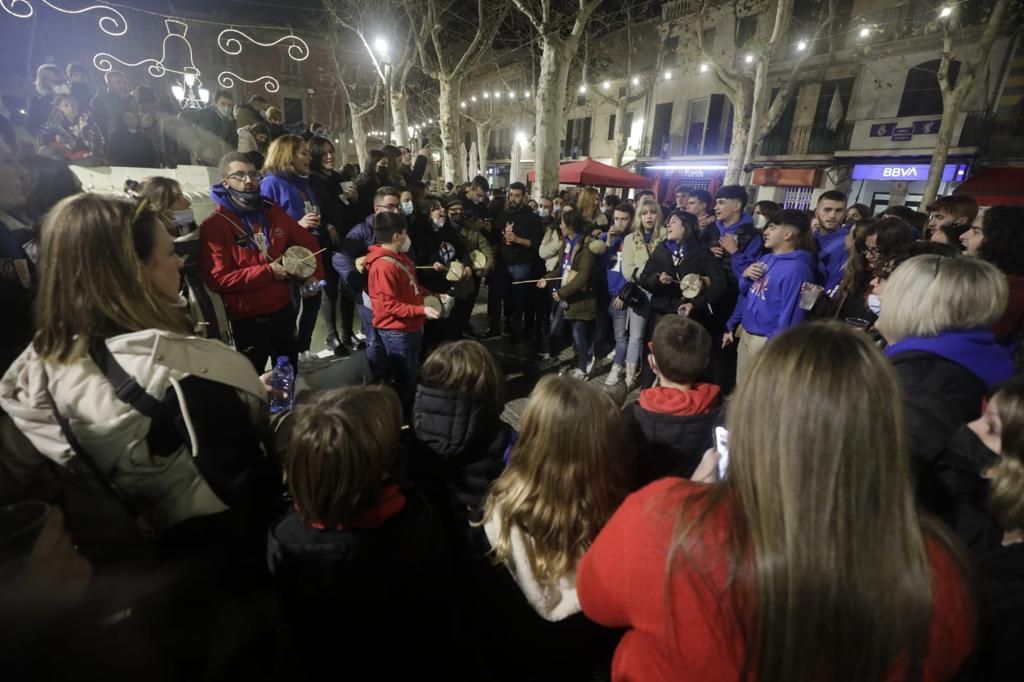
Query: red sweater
x,y
620,584
396,297
239,272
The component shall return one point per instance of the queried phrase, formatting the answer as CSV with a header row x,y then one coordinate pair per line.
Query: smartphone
x,y
722,445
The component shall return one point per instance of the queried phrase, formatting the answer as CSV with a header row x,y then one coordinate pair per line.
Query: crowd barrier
x,y
195,182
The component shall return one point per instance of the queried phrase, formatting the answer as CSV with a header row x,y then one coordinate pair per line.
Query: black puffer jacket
x,y
458,450
668,445
666,298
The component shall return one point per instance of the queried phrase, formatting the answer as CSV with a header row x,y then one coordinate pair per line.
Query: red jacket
x,y
237,270
396,298
621,583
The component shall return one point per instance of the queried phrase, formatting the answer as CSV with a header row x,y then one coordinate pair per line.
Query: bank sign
x,y
906,172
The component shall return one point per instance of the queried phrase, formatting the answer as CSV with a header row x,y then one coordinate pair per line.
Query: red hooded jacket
x,y
238,271
396,296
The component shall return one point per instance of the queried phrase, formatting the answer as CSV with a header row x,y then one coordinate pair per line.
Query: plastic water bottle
x,y
282,380
312,288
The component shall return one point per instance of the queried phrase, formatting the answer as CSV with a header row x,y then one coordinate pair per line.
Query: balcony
x,y
807,140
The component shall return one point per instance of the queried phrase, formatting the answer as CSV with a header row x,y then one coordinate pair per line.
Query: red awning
x,y
995,185
592,172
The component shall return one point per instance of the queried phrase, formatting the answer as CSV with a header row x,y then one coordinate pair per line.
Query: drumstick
x,y
542,279
312,255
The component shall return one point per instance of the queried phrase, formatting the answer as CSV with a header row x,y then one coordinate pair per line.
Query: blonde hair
x,y
93,283
1006,496
281,155
824,545
588,203
647,202
51,69
566,475
928,295
274,112
162,193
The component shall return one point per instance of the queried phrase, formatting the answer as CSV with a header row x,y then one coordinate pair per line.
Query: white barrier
x,y
195,182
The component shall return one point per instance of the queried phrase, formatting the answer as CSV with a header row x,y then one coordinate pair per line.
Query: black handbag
x,y
632,295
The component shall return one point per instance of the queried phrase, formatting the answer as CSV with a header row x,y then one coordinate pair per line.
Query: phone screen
x,y
722,445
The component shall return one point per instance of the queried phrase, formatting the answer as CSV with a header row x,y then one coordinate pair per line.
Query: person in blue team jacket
x,y
738,242
770,289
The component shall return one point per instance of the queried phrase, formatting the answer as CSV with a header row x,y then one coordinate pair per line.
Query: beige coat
x,y
635,251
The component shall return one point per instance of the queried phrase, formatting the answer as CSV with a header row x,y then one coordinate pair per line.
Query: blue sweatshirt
x,y
292,193
832,255
745,256
611,260
356,243
772,304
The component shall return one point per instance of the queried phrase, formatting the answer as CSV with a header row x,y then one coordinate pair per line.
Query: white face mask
x,y
875,303
406,208
61,90
542,212
406,245
347,186
184,217
760,221
225,111
439,222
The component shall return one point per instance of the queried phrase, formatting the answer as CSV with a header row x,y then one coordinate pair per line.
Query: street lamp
x,y
380,45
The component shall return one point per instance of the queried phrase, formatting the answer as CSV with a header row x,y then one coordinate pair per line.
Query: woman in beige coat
x,y
648,231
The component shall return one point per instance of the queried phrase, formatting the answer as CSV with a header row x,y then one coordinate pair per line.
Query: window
x,y
292,111
921,94
660,140
290,67
577,137
611,127
746,28
698,116
671,52
628,128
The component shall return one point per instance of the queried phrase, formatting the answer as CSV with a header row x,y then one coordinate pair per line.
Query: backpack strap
x,y
412,277
127,388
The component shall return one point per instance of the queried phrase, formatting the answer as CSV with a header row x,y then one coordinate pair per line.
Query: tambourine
x,y
455,271
691,285
361,265
434,301
299,262
478,260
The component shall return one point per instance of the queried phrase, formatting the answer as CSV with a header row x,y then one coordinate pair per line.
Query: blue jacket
x,y
772,304
749,240
611,258
973,349
832,255
290,192
356,243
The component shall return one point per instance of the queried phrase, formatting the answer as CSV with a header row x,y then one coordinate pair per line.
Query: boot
x,y
632,369
613,375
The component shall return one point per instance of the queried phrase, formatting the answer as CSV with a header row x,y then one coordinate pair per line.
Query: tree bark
x,y
483,141
400,116
620,133
358,133
741,103
551,84
448,121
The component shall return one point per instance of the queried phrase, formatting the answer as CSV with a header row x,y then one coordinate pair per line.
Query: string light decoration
x,y
226,79
298,50
112,22
176,30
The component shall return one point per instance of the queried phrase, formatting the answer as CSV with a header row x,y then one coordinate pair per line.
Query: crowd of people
x,y
820,476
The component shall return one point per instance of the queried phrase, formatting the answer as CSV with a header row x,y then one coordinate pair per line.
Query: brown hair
x,y
343,445
566,475
824,545
1006,497
958,205
681,348
162,193
466,368
281,155
588,203
92,278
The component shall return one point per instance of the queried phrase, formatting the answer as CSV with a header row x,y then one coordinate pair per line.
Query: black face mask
x,y
248,201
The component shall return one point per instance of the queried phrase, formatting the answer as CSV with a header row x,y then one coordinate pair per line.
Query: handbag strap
x,y
127,388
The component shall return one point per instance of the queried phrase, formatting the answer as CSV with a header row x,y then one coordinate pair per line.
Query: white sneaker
x,y
610,356
591,364
578,374
359,335
613,375
308,361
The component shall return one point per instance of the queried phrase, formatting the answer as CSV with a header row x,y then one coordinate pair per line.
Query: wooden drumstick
x,y
312,255
542,279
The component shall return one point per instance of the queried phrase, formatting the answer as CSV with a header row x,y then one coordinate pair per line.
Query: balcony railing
x,y
812,139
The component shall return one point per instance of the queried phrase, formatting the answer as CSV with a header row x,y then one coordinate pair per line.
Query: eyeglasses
x,y
393,208
871,251
242,176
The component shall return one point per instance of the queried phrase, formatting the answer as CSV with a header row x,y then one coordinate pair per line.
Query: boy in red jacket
x,y
397,302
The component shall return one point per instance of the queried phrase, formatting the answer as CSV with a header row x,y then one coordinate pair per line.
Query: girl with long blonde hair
x,y
648,231
589,206
809,560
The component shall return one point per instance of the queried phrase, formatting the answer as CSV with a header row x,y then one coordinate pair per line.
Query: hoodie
x,y
293,194
396,296
673,429
749,240
975,350
772,304
832,255
355,245
525,224
234,265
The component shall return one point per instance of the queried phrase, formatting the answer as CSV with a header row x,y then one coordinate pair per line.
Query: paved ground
x,y
517,360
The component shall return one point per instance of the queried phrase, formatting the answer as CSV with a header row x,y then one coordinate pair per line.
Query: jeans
x,y
374,348
637,327
620,325
583,340
402,359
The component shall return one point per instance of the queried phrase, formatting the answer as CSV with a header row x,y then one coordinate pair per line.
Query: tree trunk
x,y
620,133
400,115
483,141
358,135
740,133
448,121
757,106
950,112
551,84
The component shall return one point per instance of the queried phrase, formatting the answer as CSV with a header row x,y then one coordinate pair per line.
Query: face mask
x,y
456,219
321,134
478,200
61,89
184,217
760,221
224,111
556,210
249,201
406,245
543,212
347,186
439,222
875,303
406,208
